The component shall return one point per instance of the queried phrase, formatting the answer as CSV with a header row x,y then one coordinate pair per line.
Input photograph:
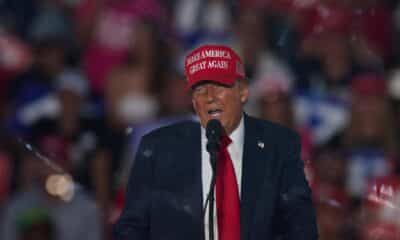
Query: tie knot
x,y
225,141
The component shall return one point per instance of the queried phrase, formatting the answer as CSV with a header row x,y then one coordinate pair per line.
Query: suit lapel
x,y
255,163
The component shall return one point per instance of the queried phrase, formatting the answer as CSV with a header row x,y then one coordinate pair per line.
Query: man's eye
x,y
199,89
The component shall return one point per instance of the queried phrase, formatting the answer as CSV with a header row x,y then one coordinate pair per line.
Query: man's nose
x,y
211,93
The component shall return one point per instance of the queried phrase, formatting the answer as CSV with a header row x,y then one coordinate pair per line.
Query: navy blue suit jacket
x,y
164,194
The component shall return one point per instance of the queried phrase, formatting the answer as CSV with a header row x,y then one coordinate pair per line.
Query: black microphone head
x,y
214,130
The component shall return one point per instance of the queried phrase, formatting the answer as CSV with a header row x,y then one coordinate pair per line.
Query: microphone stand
x,y
214,132
212,147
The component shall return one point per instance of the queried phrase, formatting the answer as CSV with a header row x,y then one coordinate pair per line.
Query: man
x,y
264,192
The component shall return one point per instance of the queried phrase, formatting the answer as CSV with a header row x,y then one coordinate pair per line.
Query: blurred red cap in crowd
x,y
380,230
323,18
375,25
369,84
217,63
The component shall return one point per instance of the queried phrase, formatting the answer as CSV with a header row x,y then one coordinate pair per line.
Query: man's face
x,y
215,101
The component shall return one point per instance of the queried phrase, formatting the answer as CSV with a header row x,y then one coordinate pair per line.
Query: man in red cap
x,y
260,188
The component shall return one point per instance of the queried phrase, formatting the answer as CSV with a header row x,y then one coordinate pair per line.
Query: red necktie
x,y
227,195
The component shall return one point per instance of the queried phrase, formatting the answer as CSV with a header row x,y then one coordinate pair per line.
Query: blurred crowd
x,y
82,80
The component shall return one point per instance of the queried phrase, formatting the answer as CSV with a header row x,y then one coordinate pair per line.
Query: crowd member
x,y
132,88
275,100
132,97
31,95
48,186
369,139
262,64
105,30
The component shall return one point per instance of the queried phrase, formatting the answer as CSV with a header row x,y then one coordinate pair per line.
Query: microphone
x,y
214,132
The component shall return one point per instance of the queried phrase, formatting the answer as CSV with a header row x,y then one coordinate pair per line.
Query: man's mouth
x,y
214,113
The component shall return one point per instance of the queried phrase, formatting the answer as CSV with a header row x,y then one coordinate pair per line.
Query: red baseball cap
x,y
216,63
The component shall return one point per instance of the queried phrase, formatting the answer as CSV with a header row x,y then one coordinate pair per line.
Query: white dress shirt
x,y
235,150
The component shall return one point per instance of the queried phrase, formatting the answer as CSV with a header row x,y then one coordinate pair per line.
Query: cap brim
x,y
223,80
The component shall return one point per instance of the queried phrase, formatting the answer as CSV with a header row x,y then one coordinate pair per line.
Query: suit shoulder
x,y
175,129
279,131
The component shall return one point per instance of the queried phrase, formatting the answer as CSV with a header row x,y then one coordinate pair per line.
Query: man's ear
x,y
194,105
244,90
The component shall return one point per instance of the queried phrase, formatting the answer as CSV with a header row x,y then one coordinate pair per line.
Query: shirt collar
x,y
237,134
